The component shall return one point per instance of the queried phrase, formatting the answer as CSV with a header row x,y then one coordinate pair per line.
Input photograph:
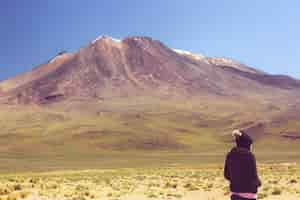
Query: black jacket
x,y
240,170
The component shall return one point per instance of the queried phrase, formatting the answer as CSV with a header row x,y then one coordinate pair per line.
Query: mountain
x,y
134,66
135,97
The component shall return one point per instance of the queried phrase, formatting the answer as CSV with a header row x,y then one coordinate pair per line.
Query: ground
x,y
108,133
141,151
280,181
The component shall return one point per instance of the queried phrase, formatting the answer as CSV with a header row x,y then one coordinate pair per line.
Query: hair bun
x,y
237,133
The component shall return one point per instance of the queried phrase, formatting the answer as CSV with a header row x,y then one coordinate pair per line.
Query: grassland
x,y
136,133
201,183
140,150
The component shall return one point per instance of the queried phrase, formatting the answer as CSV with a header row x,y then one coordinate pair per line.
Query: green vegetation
x,y
136,132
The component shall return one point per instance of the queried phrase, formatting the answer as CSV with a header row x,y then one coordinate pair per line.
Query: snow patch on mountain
x,y
106,37
218,61
198,57
188,53
221,61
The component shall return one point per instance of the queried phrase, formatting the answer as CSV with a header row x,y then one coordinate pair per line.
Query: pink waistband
x,y
246,195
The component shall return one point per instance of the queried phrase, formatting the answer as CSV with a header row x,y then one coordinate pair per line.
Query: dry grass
x,y
145,131
207,182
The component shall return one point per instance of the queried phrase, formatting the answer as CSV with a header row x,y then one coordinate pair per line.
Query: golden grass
x,y
205,182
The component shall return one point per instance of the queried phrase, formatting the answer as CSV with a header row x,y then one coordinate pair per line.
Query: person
x,y
240,168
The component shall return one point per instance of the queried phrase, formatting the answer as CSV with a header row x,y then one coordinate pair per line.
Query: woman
x,y
240,168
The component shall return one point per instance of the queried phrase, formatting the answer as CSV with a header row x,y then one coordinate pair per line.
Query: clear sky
x,y
261,33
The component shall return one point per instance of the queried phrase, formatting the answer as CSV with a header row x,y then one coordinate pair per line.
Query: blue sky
x,y
263,34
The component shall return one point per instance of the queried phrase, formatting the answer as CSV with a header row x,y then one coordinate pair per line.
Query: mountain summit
x,y
108,67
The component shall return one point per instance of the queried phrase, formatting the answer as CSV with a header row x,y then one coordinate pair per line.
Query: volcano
x,y
114,100
135,66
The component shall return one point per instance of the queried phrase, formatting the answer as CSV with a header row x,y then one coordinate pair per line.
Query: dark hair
x,y
243,141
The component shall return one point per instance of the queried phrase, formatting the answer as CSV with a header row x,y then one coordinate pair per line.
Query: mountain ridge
x,y
138,96
136,63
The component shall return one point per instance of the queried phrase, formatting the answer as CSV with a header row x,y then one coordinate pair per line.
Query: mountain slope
x,y
136,98
135,66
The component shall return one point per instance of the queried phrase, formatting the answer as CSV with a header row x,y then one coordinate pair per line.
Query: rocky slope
x,y
137,66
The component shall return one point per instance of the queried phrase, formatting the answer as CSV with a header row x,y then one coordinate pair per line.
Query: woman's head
x,y
242,139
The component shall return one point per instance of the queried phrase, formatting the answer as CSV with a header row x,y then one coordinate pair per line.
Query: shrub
x,y
17,187
276,191
262,195
293,181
